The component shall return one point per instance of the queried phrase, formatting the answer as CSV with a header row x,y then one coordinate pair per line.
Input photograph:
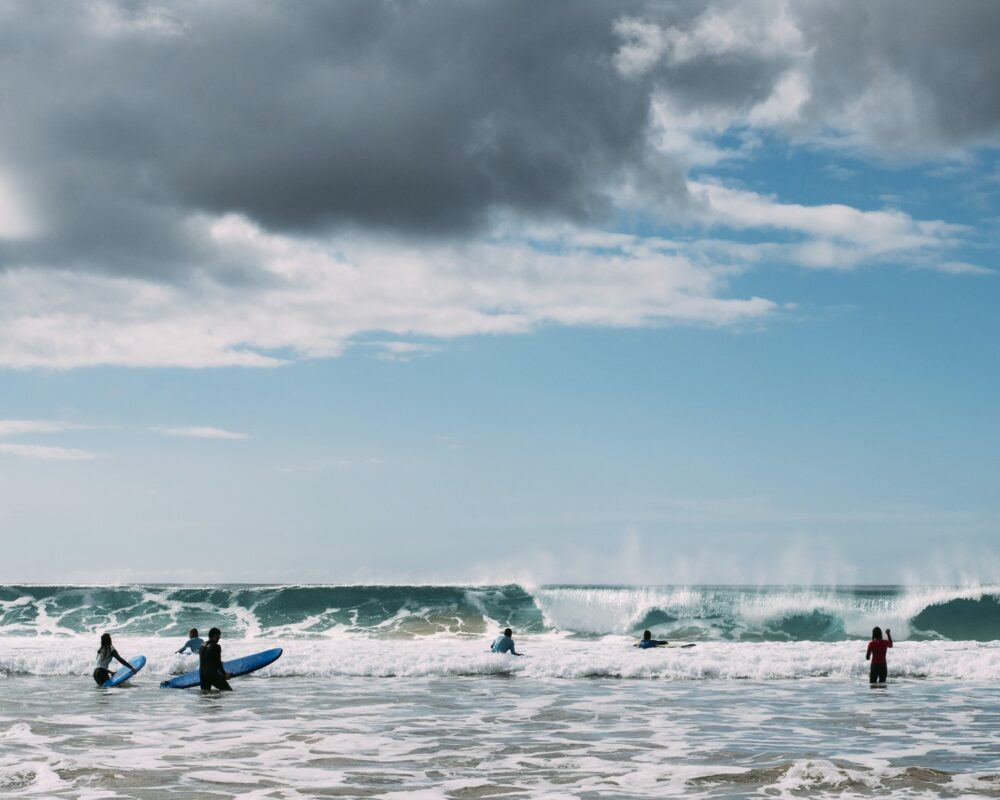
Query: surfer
x,y
876,652
505,643
211,672
194,642
104,655
648,641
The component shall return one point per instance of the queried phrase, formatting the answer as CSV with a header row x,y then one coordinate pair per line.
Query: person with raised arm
x,y
876,654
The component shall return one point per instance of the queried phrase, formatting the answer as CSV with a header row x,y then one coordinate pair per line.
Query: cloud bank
x,y
218,184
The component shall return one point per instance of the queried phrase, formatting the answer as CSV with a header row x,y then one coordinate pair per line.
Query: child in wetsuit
x,y
876,652
104,656
210,669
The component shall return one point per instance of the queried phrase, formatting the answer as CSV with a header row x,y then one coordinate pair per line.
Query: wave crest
x,y
699,613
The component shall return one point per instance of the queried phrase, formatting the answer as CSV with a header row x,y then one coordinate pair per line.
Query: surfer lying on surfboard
x,y
104,655
648,641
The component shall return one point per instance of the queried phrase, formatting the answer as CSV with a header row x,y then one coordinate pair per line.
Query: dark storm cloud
x,y
121,120
414,117
938,65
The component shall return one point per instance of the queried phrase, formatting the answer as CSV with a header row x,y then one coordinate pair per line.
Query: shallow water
x,y
391,692
499,736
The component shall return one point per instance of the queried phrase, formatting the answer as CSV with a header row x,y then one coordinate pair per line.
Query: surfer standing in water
x,y
194,642
876,652
211,672
505,643
104,655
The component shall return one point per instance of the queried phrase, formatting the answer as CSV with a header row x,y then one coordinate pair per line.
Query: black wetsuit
x,y
210,670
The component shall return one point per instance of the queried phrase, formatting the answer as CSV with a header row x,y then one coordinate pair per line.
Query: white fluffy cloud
x,y
313,297
833,235
316,296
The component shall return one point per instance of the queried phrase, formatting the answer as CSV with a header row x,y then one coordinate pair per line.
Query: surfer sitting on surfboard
x,y
876,652
104,655
210,670
648,641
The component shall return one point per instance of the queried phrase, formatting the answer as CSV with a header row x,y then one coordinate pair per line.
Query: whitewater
x,y
391,692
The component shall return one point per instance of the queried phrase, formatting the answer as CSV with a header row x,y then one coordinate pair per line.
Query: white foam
x,y
547,656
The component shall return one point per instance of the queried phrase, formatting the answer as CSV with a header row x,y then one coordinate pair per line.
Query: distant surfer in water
x,y
194,642
104,655
876,653
505,643
211,672
648,641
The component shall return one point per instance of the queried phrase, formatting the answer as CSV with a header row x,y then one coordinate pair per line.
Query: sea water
x,y
391,692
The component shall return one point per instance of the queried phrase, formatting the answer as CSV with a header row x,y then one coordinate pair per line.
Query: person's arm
x,y
122,661
868,655
660,642
888,636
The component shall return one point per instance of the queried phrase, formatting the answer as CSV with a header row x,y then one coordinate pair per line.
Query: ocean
x,y
390,692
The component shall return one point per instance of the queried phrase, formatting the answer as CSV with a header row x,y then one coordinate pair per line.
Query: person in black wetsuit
x,y
210,669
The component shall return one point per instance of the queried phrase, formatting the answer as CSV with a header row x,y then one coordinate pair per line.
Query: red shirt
x,y
877,648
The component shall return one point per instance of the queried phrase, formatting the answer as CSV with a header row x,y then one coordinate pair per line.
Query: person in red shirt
x,y
876,652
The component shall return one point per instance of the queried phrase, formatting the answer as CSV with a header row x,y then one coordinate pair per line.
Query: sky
x,y
480,292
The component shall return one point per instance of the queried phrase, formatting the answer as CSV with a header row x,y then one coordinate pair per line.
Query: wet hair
x,y
876,632
192,633
214,632
105,647
508,632
647,635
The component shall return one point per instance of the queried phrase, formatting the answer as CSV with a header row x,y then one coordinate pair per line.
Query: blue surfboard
x,y
125,674
236,667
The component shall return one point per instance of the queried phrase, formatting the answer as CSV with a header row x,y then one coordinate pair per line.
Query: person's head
x,y
647,635
193,633
876,632
105,642
214,634
508,632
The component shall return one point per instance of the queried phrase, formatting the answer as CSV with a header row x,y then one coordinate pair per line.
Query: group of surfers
x,y
211,673
877,647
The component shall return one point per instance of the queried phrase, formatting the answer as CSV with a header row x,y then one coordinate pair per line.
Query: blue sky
x,y
676,329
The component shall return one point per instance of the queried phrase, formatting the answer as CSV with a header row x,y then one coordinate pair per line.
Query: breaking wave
x,y
695,613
